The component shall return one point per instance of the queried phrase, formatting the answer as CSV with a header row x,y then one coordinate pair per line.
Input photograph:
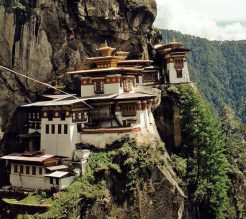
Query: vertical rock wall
x,y
42,38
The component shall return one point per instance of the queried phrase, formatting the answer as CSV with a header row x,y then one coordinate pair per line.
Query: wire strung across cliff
x,y
40,82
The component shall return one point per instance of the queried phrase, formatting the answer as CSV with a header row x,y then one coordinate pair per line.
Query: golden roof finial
x,y
175,42
105,49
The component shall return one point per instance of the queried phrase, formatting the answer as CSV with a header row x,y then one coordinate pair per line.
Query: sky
x,y
211,19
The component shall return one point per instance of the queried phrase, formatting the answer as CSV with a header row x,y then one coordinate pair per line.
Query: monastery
x,y
61,126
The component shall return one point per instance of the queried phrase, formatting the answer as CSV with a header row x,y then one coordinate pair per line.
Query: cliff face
x,y
44,38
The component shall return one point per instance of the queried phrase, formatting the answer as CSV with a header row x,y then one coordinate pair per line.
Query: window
x,y
179,73
79,127
178,63
50,115
59,129
127,84
38,116
33,170
65,129
57,181
21,169
137,79
149,77
128,110
27,170
40,170
32,125
47,129
15,168
53,129
63,115
51,180
99,87
79,116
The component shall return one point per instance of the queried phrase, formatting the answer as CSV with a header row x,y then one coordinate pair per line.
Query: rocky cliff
x,y
43,39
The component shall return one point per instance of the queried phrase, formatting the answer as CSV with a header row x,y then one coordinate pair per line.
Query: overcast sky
x,y
212,19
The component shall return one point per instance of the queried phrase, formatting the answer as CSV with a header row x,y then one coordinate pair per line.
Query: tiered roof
x,y
108,63
173,46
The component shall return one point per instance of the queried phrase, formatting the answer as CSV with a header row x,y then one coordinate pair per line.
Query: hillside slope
x,y
218,68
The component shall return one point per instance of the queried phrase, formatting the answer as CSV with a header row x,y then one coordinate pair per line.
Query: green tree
x,y
204,146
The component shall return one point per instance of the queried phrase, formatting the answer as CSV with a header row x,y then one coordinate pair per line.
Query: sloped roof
x,y
57,174
59,167
40,158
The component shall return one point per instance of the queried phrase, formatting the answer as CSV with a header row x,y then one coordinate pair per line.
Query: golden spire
x,y
105,49
175,43
105,43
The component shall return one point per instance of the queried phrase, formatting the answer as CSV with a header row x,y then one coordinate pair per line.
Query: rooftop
x,y
59,167
100,97
133,95
59,96
104,70
39,158
135,61
57,102
57,174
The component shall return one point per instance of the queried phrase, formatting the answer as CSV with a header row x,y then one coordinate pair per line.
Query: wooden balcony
x,y
99,116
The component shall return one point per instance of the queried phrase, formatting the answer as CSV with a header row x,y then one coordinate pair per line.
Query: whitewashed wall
x,y
173,74
59,144
27,181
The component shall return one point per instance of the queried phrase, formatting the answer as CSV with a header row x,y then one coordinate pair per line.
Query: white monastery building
x,y
107,109
174,62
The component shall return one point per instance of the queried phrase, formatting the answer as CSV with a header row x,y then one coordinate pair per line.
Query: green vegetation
x,y
234,132
218,68
118,172
204,149
32,200
19,6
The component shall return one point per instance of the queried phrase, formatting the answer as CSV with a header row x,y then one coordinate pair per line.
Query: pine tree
x,y
207,165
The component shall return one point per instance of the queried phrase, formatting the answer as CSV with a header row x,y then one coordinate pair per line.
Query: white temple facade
x,y
107,110
174,62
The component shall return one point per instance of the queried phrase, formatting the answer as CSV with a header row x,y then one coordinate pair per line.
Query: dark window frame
x,y
179,73
27,169
50,115
63,115
129,110
53,129
34,171
15,168
59,129
21,169
65,129
47,129
99,86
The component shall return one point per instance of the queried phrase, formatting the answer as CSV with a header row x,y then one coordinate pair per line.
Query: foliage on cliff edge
x,y
204,152
111,175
